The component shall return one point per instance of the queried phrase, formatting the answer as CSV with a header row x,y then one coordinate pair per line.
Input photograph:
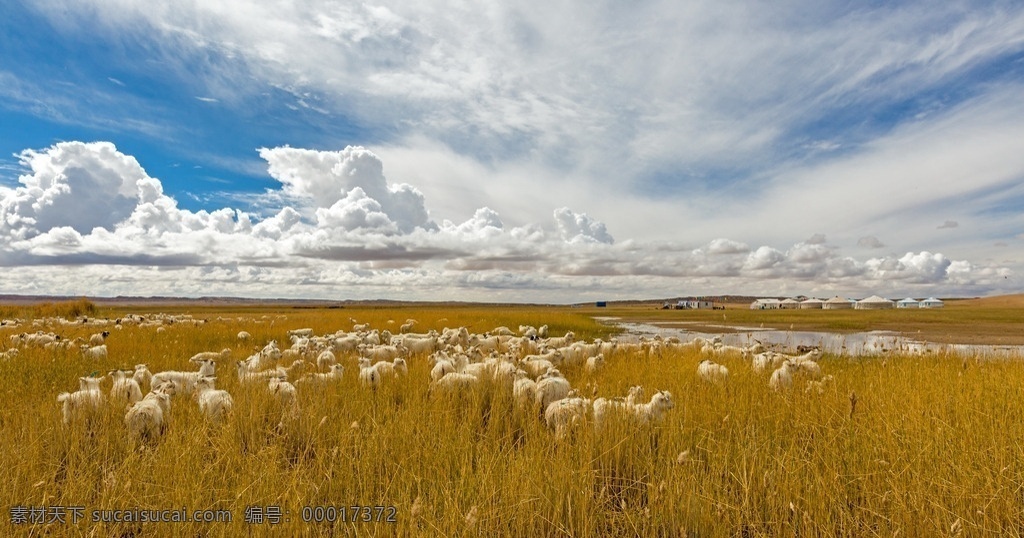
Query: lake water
x,y
857,344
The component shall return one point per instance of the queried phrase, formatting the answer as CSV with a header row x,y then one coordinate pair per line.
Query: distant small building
x,y
837,303
811,304
931,302
694,304
874,303
766,304
909,302
789,304
601,304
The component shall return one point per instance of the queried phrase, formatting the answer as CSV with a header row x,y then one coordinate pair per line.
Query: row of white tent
x,y
840,303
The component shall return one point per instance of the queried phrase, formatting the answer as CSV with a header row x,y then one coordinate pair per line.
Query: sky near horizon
x,y
511,151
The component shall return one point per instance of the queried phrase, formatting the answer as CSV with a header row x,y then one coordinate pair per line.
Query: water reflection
x,y
858,344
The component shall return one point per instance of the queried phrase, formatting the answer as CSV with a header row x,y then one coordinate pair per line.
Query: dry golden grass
x,y
916,446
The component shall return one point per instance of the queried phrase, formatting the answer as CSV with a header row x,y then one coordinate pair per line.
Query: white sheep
x,y
819,385
94,352
369,375
148,418
712,372
211,355
407,326
83,402
605,407
809,368
335,374
594,364
98,338
524,390
782,377
185,381
551,387
400,366
124,388
243,335
654,410
326,359
536,367
215,404
442,367
307,332
286,396
566,413
143,376
455,381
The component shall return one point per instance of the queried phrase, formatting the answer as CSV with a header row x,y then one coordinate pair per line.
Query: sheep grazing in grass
x,y
594,364
768,359
186,381
605,407
304,333
819,385
94,352
442,367
326,359
654,410
142,375
369,375
148,417
407,326
455,381
243,335
84,402
524,390
215,404
782,377
712,372
809,368
551,387
566,413
400,366
124,389
212,355
335,374
286,396
98,338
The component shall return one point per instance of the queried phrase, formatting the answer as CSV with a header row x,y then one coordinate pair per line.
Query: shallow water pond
x,y
858,344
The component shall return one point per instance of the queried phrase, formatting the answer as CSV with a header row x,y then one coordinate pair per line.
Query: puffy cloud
x,y
578,227
485,223
356,210
726,246
78,185
326,178
149,245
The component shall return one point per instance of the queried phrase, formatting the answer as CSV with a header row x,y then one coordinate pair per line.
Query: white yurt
x,y
909,302
765,304
931,302
874,303
837,303
790,304
811,304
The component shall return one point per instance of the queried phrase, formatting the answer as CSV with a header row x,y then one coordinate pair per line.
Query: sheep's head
x,y
663,400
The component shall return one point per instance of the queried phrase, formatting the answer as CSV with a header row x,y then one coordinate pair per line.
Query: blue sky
x,y
517,151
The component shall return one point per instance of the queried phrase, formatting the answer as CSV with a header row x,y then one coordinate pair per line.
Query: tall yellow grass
x,y
916,446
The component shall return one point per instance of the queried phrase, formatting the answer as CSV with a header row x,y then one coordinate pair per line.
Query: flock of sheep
x,y
527,362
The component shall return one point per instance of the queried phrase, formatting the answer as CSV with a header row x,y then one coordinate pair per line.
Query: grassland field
x,y
896,445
